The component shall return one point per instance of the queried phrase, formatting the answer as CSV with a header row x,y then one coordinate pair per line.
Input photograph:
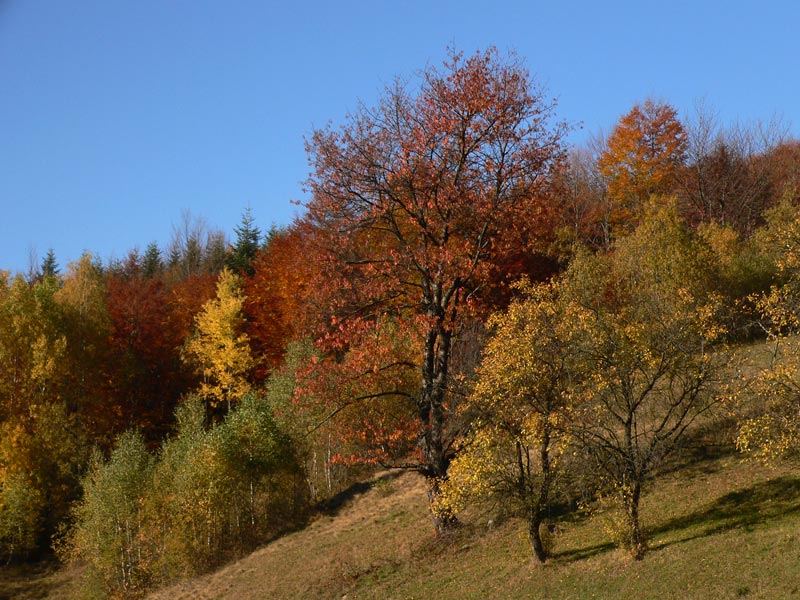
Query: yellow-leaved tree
x,y
521,406
774,431
217,348
650,358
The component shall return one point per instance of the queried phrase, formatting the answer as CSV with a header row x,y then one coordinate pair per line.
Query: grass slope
x,y
720,529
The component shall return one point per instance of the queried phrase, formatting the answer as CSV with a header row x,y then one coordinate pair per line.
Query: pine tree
x,y
152,263
50,266
248,237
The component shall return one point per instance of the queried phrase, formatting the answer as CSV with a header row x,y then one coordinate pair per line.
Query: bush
x,y
211,494
21,515
109,534
42,455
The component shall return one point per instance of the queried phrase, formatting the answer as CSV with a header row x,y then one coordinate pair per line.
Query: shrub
x,y
109,531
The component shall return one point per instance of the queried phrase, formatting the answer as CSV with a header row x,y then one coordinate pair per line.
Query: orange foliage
x,y
641,158
275,296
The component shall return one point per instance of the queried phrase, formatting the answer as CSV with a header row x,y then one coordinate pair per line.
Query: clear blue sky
x,y
116,116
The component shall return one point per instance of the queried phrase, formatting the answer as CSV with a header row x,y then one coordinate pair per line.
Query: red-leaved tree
x,y
413,202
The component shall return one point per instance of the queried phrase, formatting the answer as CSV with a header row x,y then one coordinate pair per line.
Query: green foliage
x,y
248,241
152,262
220,490
211,493
21,516
50,265
109,535
41,460
311,434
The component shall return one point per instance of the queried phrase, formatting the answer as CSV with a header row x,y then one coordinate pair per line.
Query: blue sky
x,y
117,116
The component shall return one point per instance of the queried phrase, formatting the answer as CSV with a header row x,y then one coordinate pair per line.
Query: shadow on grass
x,y
758,504
582,553
745,509
333,505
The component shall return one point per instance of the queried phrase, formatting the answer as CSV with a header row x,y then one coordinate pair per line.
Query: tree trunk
x,y
535,521
637,541
435,460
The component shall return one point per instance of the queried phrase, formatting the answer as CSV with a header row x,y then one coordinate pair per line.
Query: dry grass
x,y
37,581
720,529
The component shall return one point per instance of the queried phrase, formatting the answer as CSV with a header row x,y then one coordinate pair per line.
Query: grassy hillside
x,y
720,529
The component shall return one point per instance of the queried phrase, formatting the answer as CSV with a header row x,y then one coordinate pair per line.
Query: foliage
x,y
211,493
522,403
641,158
412,199
276,296
21,515
110,532
218,348
87,327
42,455
773,432
146,375
218,491
248,241
733,175
32,344
50,264
651,323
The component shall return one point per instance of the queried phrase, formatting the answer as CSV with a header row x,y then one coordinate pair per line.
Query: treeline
x,y
519,321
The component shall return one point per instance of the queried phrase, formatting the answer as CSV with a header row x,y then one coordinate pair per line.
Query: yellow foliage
x,y
775,432
217,348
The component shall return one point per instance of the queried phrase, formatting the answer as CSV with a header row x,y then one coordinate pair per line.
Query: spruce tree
x,y
248,237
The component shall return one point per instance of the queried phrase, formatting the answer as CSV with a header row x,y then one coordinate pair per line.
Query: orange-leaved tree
x,y
641,158
412,201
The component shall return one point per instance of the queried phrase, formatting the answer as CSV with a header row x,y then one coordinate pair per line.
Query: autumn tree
x,y
32,344
147,376
581,201
522,405
412,198
649,359
218,349
772,431
276,295
195,248
641,158
82,302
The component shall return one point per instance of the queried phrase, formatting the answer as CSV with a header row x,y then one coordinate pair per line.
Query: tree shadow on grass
x,y
582,553
333,505
759,504
756,505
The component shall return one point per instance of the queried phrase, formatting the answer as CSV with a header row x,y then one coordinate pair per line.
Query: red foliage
x,y
413,204
147,377
275,296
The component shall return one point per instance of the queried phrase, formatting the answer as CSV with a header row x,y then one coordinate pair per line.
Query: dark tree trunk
x,y
435,459
637,540
535,521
